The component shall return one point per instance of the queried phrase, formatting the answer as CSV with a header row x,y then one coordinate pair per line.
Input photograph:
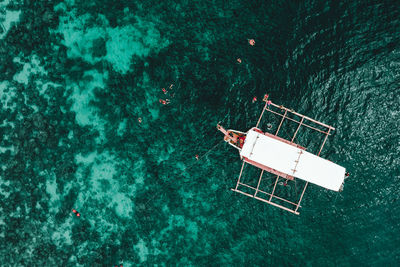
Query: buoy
x,y
78,215
252,42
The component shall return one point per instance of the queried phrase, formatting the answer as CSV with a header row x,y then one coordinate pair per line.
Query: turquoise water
x,y
76,76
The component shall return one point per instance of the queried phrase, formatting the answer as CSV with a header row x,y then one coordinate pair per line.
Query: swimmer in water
x,y
162,101
239,60
76,212
252,42
139,120
254,99
164,91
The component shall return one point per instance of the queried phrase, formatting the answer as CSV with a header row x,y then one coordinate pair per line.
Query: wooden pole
x,y
301,197
262,113
259,181
301,122
300,115
266,201
304,124
326,136
280,124
240,175
273,190
268,194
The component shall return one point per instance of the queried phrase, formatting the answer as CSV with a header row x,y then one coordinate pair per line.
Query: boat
x,y
283,158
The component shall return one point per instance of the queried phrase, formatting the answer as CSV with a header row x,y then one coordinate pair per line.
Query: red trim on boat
x,y
278,138
268,169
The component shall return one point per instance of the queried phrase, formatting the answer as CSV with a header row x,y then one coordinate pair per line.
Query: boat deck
x,y
286,159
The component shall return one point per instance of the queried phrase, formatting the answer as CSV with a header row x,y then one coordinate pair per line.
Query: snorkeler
x,y
76,213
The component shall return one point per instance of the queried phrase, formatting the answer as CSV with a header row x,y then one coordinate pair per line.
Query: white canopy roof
x,y
282,157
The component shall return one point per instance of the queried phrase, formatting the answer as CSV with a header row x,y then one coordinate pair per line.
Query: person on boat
x,y
252,42
269,102
241,141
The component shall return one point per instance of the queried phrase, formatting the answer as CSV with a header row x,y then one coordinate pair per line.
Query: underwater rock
x,y
12,163
42,136
22,133
31,144
38,121
99,47
48,16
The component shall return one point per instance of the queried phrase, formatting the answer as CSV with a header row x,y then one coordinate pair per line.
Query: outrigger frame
x,y
271,196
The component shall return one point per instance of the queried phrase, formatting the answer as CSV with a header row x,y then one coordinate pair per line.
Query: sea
x,y
110,155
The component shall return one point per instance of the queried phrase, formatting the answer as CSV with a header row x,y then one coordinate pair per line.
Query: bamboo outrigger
x,y
283,158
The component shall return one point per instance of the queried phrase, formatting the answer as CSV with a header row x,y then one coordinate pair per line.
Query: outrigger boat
x,y
283,158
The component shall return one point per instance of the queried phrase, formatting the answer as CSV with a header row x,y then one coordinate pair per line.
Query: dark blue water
x,y
82,128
